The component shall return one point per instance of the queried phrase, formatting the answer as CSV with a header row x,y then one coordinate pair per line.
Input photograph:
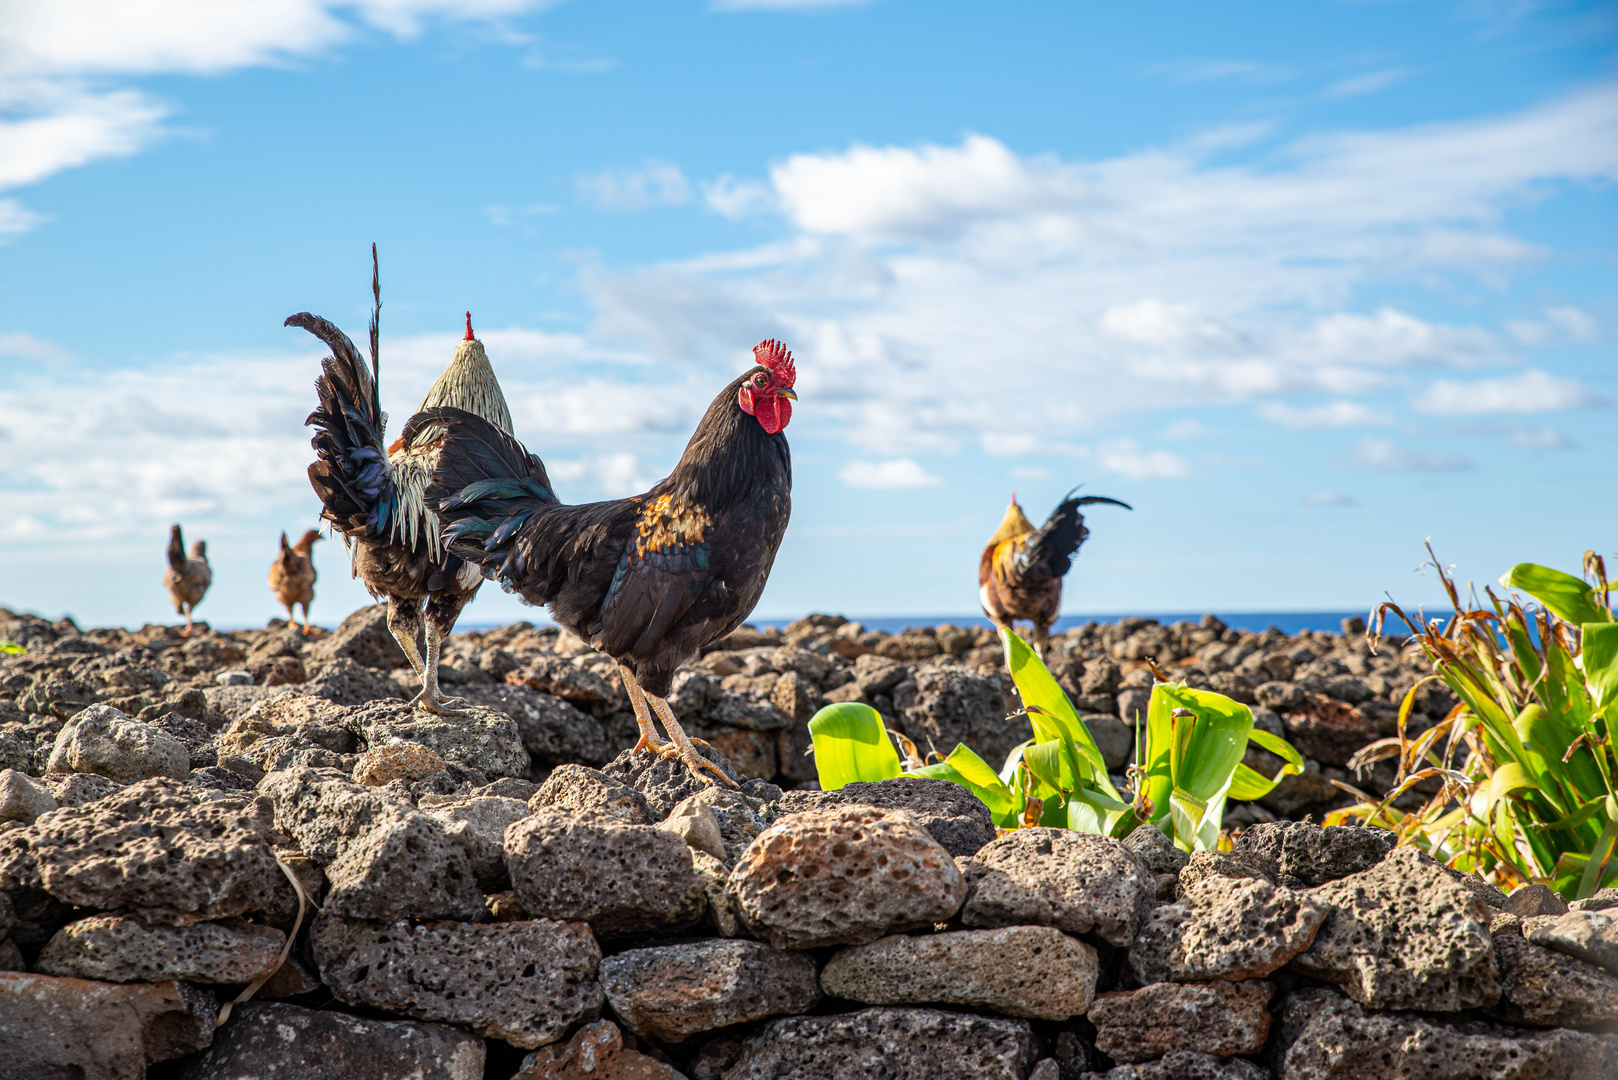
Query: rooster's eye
x,y
759,380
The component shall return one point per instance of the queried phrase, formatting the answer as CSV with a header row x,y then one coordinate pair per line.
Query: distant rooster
x,y
374,494
1020,574
292,576
651,579
188,577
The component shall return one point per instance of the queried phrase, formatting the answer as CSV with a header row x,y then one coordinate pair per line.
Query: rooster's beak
x,y
787,394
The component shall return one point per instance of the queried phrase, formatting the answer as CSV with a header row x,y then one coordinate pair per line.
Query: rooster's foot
x,y
653,744
696,762
439,705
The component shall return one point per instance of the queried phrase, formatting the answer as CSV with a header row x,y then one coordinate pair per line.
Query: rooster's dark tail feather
x,y
1049,551
351,474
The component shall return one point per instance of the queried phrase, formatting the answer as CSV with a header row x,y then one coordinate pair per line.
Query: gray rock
x,y
1312,854
77,789
1223,1018
553,731
672,992
595,1052
123,949
482,739
739,818
942,706
525,982
52,1027
22,798
1133,704
1154,850
576,788
663,781
1591,936
1328,1037
844,876
384,858
1074,881
194,735
286,1042
619,878
104,741
1535,899
478,823
1226,929
1540,987
217,778
1036,972
1184,1065
1601,901
886,1044
1114,738
950,813
343,682
696,824
362,638
1404,935
234,678
167,852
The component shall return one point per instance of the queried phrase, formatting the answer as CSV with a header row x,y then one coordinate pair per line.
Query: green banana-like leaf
x,y
1193,761
965,768
1049,711
1600,657
1249,783
1092,812
1569,597
851,744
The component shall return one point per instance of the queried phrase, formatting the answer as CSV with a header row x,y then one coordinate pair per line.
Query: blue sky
x,y
1306,283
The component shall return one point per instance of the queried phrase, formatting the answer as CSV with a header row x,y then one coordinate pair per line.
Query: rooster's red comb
x,y
773,355
469,336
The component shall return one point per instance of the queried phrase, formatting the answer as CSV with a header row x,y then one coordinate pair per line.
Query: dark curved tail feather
x,y
176,550
486,486
1049,551
351,473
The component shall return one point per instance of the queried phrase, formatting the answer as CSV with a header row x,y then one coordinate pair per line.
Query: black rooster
x,y
648,580
375,495
1021,570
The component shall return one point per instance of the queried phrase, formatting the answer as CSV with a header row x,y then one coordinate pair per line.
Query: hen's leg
x,y
643,715
187,631
404,622
1042,641
305,619
683,748
442,610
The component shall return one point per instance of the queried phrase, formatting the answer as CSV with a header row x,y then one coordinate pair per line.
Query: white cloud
x,y
1127,459
1560,325
887,475
1538,438
1533,391
655,183
1334,414
28,347
1184,429
734,198
1385,456
1329,498
60,61
1369,83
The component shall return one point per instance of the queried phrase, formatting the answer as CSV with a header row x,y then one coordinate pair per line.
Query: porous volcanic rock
x,y
405,761
165,851
22,798
478,823
1541,987
553,731
574,788
1154,850
525,982
364,639
1036,972
672,992
592,868
1222,1018
1184,1065
1329,1037
123,949
1076,882
1224,929
53,1027
104,741
384,858
943,706
595,1052
287,1042
950,813
1312,854
844,876
1588,935
665,781
78,789
884,1042
478,738
1404,935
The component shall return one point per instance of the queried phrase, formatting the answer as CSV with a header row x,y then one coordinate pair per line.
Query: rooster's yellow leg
x,y
432,699
643,715
683,747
